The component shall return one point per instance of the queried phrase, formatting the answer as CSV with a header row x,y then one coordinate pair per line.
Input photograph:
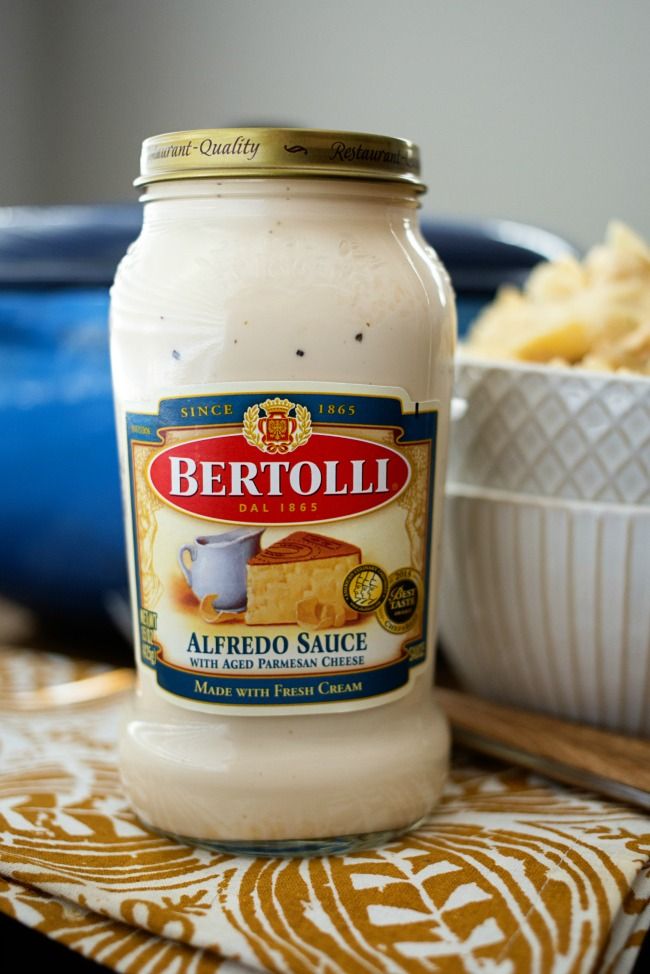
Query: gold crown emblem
x,y
277,405
278,431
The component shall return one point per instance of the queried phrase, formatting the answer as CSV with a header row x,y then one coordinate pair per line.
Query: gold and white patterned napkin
x,y
510,875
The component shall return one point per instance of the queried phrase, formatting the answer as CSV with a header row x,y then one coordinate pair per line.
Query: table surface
x,y
35,945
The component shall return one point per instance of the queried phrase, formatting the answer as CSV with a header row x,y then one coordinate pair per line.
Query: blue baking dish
x,y
60,510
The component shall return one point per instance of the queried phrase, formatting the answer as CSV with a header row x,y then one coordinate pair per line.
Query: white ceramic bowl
x,y
545,594
551,432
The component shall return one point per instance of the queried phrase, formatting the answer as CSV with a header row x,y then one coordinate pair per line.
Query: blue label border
x,y
374,411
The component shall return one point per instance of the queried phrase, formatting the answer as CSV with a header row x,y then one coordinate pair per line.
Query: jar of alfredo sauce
x,y
282,343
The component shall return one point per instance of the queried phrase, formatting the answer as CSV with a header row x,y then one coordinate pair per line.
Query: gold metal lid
x,y
264,152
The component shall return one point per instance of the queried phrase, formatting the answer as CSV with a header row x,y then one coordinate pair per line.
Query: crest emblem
x,y
284,426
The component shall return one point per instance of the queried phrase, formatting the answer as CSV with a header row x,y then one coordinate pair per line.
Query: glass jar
x,y
282,341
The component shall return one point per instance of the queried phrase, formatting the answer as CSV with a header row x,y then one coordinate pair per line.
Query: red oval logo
x,y
225,478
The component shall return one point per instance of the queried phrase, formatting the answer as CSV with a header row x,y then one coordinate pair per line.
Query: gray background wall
x,y
535,111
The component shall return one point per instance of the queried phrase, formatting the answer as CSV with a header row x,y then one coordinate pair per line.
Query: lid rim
x,y
278,152
315,173
259,129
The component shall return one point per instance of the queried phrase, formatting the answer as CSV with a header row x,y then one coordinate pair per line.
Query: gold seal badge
x,y
364,588
277,431
402,606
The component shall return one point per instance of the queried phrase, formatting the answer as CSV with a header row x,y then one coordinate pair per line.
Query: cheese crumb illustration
x,y
303,570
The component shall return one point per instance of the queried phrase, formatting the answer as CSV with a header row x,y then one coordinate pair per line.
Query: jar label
x,y
281,541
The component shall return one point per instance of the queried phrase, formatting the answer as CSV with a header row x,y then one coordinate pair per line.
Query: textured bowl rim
x,y
464,359
499,495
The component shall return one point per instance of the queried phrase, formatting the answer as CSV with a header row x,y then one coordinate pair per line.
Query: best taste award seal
x,y
281,544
